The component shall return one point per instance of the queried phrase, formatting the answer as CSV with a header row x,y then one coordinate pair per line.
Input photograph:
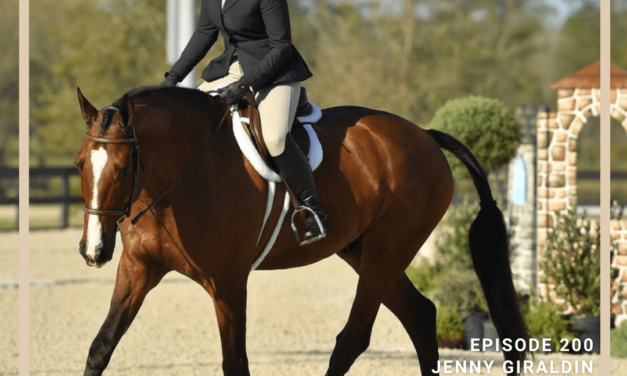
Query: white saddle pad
x,y
252,154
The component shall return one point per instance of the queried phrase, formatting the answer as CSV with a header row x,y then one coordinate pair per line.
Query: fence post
x,y
17,204
65,205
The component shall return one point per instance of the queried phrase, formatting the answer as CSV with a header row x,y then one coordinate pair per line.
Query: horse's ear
x,y
126,111
89,112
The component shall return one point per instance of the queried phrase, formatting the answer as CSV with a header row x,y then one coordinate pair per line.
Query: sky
x,y
564,9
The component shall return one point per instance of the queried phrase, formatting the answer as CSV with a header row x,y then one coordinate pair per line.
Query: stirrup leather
x,y
323,233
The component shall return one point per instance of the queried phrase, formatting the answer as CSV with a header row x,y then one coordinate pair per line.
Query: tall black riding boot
x,y
296,172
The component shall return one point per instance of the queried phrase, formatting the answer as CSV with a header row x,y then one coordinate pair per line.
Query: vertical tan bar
x,y
24,182
605,188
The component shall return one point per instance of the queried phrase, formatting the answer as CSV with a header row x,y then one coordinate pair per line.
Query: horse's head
x,y
107,166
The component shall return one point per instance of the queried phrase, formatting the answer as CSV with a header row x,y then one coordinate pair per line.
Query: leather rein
x,y
126,212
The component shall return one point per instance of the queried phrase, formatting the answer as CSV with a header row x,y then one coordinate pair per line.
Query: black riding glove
x,y
171,79
233,93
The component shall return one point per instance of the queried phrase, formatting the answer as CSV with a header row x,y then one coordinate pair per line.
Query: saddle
x,y
298,131
246,126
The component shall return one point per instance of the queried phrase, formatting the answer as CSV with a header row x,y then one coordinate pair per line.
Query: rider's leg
x,y
277,107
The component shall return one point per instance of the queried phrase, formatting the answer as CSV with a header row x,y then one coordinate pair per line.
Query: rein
x,y
125,213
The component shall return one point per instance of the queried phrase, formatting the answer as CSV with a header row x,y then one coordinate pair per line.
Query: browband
x,y
110,140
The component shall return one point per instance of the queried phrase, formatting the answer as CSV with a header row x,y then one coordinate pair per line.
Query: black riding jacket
x,y
257,31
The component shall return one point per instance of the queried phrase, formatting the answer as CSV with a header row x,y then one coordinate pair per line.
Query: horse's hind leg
x,y
415,312
354,339
378,269
134,280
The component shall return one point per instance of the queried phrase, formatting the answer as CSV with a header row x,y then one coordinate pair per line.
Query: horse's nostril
x,y
82,249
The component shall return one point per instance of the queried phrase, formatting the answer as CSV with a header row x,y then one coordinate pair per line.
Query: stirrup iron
x,y
323,233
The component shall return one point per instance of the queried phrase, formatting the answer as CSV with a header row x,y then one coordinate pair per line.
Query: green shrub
x,y
424,276
572,262
460,289
451,281
484,125
452,241
546,321
450,326
618,341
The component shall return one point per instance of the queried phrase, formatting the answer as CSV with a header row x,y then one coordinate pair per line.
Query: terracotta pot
x,y
473,327
589,329
451,342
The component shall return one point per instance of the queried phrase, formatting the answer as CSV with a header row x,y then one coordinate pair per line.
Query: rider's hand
x,y
234,92
171,79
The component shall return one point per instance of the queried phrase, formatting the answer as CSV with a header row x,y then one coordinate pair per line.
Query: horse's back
x,y
382,177
379,140
392,164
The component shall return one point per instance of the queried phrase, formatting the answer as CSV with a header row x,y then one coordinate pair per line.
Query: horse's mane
x,y
152,96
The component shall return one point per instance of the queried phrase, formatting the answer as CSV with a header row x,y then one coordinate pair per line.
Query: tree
x,y
484,125
106,47
618,30
578,43
408,60
9,83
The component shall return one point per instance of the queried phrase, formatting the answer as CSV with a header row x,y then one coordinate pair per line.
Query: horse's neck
x,y
188,141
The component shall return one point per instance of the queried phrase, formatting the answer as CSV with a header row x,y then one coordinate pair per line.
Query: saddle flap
x,y
253,128
254,131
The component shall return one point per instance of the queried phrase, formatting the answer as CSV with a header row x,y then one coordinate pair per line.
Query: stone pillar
x,y
521,209
618,105
618,291
618,231
558,134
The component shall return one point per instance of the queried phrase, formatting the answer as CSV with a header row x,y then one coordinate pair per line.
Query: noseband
x,y
126,212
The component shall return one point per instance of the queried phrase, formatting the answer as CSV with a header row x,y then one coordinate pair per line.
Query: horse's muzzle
x,y
99,261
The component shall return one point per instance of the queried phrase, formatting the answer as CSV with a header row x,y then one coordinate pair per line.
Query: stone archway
x,y
579,98
558,133
618,230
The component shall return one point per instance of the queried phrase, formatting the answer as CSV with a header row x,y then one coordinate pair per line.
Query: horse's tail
x,y
489,249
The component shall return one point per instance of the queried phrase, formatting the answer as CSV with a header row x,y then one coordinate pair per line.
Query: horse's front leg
x,y
229,296
134,280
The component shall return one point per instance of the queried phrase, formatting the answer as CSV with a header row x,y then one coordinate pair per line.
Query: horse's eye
x,y
126,172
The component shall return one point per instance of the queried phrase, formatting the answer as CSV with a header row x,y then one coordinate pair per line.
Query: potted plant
x,y
571,266
451,281
544,320
450,328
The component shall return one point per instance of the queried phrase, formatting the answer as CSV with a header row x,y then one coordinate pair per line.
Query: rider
x,y
259,56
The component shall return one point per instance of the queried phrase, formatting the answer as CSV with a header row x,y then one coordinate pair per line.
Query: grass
x,y
7,224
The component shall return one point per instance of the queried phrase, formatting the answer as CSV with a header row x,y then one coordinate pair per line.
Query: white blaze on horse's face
x,y
98,160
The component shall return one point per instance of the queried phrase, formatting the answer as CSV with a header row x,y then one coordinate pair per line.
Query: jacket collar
x,y
227,5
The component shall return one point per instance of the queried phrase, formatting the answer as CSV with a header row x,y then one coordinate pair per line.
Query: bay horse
x,y
168,153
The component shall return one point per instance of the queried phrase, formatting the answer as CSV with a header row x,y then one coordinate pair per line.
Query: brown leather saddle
x,y
298,132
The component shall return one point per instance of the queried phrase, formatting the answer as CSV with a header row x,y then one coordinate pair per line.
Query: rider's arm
x,y
277,21
203,38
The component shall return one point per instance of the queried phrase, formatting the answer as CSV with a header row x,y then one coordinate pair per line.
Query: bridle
x,y
126,212
123,213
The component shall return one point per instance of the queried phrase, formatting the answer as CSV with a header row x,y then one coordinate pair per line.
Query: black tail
x,y
489,249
